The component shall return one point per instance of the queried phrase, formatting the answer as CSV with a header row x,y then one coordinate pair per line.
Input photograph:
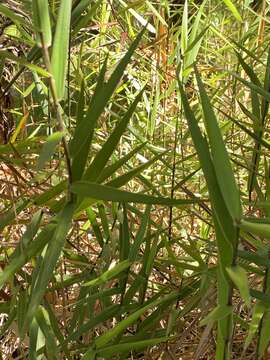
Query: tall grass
x,y
135,179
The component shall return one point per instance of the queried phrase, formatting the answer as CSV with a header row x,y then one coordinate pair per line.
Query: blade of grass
x,y
102,157
233,9
103,192
49,261
60,47
80,143
41,20
221,161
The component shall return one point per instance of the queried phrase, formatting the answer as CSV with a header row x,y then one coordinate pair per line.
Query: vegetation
x,y
135,217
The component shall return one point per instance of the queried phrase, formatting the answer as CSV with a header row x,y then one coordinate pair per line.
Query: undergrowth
x,y
134,179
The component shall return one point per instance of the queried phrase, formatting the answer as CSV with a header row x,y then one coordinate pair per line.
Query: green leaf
x,y
226,232
265,298
139,18
12,15
21,308
266,86
103,192
8,216
124,234
256,228
102,340
125,178
217,314
50,194
27,248
255,136
248,70
53,321
192,52
258,312
48,149
95,226
84,130
82,15
33,340
233,9
111,169
134,249
254,258
105,315
240,279
120,180
265,334
184,28
60,47
108,148
43,321
220,156
41,20
49,261
109,274
129,346
80,8
258,89
23,61
225,246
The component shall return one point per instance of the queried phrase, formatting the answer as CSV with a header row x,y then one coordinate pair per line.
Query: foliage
x,y
135,179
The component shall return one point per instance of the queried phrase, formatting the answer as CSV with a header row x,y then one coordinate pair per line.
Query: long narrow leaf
x,y
103,192
107,149
60,47
221,161
49,261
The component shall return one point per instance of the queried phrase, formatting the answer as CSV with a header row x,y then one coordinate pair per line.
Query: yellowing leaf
x,y
19,128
